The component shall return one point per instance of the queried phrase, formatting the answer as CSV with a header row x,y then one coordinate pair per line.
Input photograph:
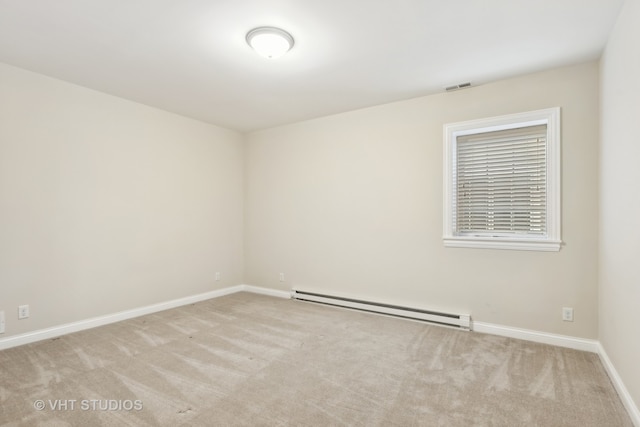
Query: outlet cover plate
x,y
23,311
567,314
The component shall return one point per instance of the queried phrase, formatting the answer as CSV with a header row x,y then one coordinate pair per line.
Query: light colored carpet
x,y
253,360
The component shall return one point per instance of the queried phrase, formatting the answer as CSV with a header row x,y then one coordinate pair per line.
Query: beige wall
x,y
620,204
352,204
108,205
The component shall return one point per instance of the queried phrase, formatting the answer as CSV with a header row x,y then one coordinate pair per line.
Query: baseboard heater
x,y
461,321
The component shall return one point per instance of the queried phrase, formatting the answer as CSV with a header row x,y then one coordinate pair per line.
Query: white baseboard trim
x,y
535,336
81,325
265,291
625,397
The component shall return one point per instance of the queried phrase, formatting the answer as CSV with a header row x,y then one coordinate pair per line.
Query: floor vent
x,y
461,321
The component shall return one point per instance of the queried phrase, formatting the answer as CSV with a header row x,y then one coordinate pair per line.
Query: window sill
x,y
502,243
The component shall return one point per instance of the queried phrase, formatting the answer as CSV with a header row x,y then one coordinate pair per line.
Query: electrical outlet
x,y
217,276
23,311
567,314
1,322
282,277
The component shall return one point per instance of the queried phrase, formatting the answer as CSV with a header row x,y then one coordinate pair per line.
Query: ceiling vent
x,y
458,86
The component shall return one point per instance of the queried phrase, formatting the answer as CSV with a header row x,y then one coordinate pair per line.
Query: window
x,y
502,182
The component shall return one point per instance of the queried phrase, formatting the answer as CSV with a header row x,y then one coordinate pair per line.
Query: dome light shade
x,y
270,42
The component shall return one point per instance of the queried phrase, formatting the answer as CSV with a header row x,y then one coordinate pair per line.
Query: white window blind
x,y
500,183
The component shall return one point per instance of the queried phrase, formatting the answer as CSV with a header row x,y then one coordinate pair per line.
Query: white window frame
x,y
549,242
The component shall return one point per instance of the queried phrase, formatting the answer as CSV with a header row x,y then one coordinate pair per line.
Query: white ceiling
x,y
190,56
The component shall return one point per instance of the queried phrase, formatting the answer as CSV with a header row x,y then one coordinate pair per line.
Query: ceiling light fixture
x,y
270,42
